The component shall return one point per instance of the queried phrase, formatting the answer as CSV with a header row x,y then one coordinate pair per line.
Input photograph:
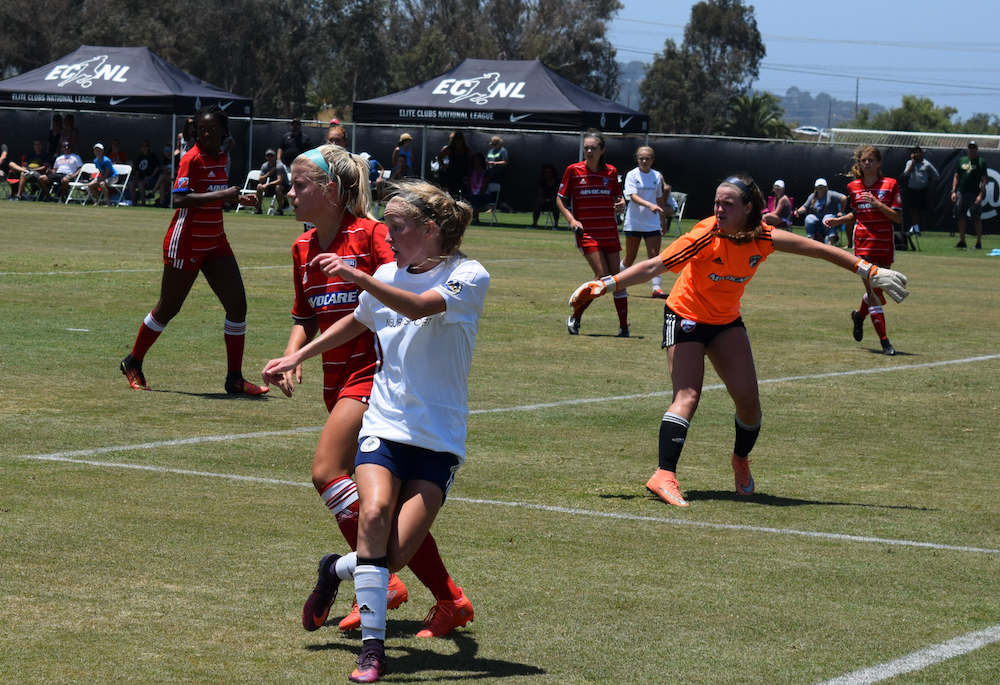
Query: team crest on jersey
x,y
454,287
607,182
687,325
350,261
755,260
370,444
183,181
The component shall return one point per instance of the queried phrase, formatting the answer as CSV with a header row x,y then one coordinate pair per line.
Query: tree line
x,y
297,57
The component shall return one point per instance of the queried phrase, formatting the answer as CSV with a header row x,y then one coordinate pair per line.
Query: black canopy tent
x,y
504,94
122,80
102,79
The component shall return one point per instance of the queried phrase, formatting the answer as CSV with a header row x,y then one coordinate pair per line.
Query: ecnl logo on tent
x,y
85,73
479,90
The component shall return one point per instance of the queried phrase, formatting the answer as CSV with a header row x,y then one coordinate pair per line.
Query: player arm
x,y
342,331
655,208
574,225
411,305
892,282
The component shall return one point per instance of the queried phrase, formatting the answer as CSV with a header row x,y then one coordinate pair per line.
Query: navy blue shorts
x,y
677,329
408,462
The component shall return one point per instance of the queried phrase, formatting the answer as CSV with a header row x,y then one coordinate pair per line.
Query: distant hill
x,y
822,111
628,87
801,108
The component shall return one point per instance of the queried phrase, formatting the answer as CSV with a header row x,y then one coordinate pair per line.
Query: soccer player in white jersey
x,y
424,310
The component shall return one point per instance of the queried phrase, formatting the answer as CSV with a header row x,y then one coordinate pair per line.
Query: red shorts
x,y
598,242
352,380
883,259
189,253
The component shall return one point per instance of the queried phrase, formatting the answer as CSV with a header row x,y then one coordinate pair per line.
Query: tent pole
x,y
354,136
250,147
580,152
423,151
173,164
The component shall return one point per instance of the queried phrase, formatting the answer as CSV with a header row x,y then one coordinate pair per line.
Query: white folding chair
x,y
252,177
494,190
124,171
681,200
80,184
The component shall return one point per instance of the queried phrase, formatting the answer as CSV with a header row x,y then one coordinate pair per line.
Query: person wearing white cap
x,y
104,177
968,190
779,207
822,203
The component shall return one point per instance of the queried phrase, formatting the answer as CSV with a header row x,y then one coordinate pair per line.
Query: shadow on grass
x,y
215,395
405,660
774,501
762,498
898,353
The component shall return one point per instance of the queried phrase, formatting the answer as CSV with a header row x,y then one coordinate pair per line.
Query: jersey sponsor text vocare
x,y
327,299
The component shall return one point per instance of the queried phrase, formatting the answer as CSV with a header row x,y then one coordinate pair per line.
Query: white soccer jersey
x,y
649,187
421,391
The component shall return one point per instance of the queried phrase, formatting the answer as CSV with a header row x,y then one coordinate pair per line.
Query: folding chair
x,y
80,184
252,177
124,171
494,189
32,190
681,200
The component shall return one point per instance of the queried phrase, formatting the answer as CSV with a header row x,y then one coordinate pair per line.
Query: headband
x,y
317,158
419,204
732,180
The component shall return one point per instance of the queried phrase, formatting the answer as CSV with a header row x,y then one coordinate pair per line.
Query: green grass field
x,y
171,536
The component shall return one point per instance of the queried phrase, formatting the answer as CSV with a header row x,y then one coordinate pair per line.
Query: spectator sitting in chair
x,y
101,182
401,169
822,203
376,178
4,160
548,186
116,154
65,169
779,207
32,168
478,187
146,175
273,181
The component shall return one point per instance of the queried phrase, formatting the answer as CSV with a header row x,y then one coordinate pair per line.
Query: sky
x,y
946,51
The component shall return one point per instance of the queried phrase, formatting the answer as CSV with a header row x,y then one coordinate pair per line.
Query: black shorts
x,y
967,205
917,197
677,329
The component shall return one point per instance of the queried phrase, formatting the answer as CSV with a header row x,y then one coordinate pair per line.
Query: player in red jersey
x,y
196,242
330,189
594,193
702,318
877,206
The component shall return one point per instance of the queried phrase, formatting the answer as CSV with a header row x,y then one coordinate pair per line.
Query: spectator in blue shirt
x,y
101,182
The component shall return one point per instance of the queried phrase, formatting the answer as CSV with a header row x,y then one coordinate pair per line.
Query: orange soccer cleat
x,y
741,470
447,615
664,485
237,385
395,596
133,373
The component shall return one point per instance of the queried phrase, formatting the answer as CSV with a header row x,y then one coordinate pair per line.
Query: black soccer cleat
x,y
887,348
859,326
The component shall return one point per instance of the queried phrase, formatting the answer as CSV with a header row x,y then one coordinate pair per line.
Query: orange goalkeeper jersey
x,y
714,272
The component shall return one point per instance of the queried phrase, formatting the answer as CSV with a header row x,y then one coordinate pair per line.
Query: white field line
x,y
79,457
242,268
118,271
920,660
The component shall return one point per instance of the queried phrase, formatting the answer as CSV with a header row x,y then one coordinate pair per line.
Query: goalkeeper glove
x,y
891,282
593,289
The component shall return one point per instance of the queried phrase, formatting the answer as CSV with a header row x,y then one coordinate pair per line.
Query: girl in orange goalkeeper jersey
x,y
702,317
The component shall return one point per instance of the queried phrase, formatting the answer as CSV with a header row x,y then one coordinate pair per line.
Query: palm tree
x,y
757,116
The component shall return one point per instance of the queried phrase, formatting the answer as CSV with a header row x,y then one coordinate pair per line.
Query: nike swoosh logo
x,y
117,101
223,107
749,489
622,122
514,119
